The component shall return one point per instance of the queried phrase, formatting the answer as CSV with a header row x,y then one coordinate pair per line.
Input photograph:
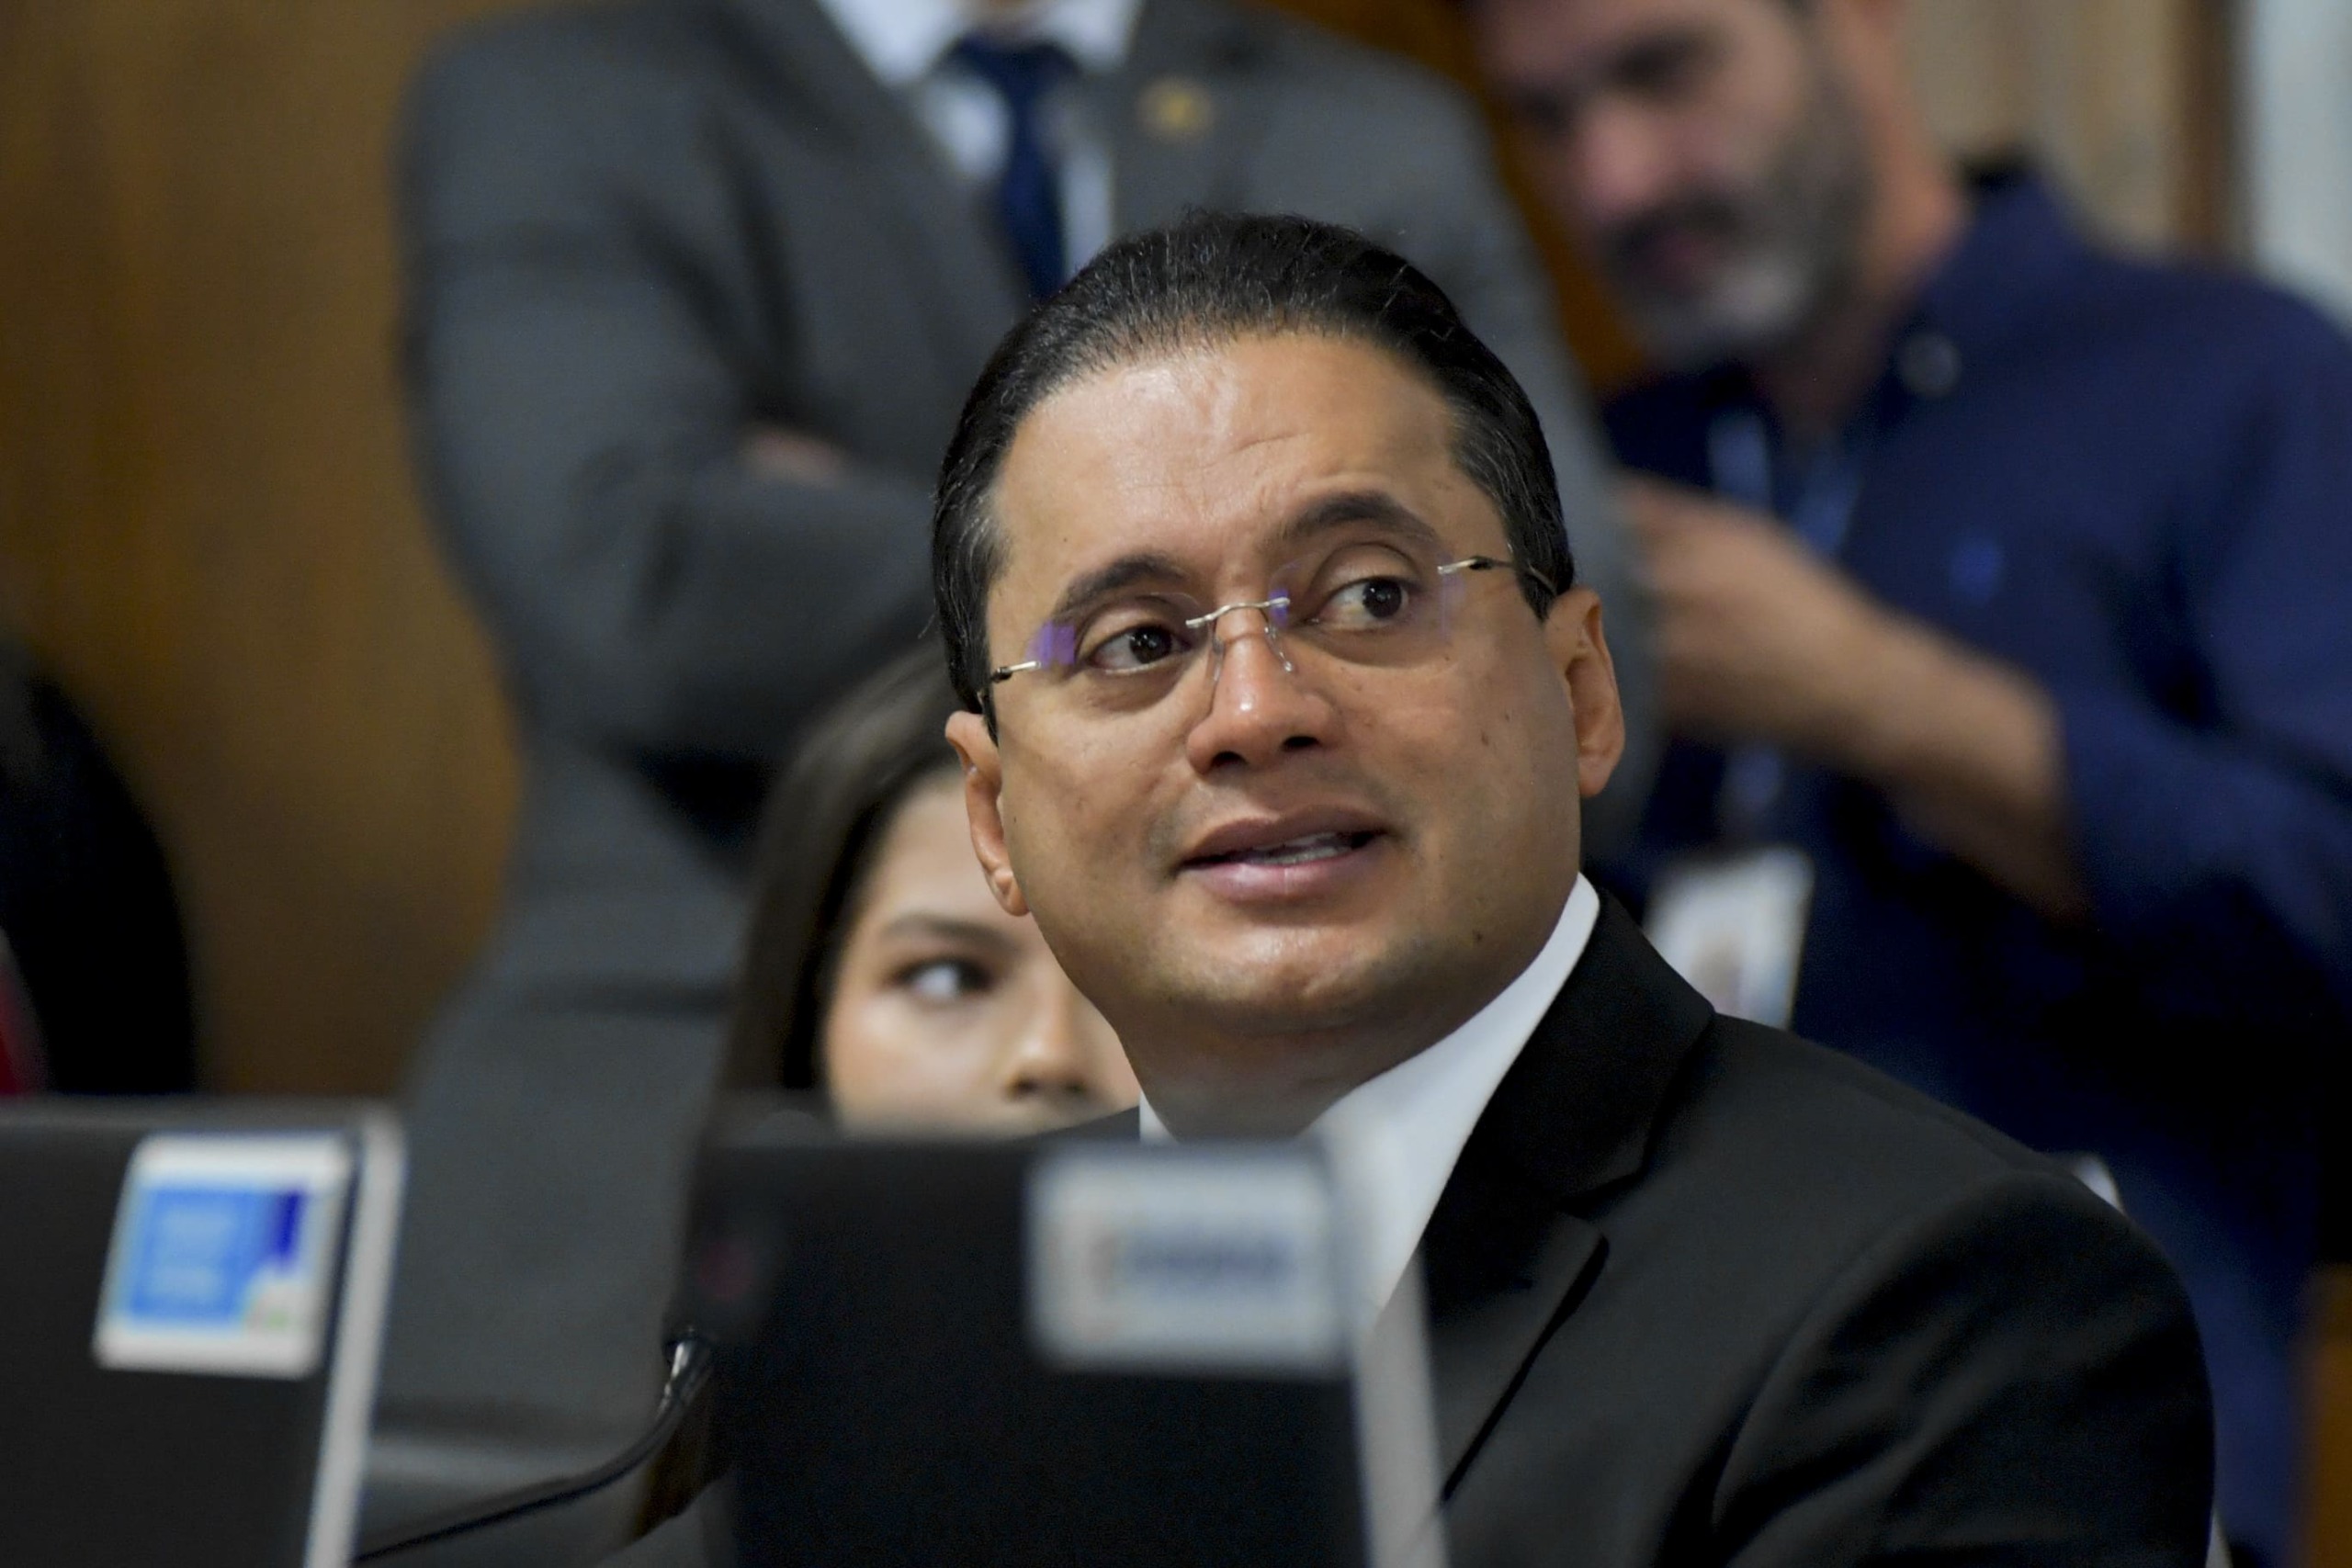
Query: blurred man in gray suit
x,y
695,289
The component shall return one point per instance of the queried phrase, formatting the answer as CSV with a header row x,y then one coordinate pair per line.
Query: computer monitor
x,y
190,1313
1070,1350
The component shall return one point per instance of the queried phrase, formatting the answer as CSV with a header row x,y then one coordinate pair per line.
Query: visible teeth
x,y
1298,852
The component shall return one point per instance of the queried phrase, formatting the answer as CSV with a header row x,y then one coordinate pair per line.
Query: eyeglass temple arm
x,y
1496,563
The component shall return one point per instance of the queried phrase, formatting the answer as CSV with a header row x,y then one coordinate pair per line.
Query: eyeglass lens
x,y
1384,603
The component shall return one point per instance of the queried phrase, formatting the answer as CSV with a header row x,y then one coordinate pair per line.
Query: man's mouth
x,y
1304,849
1678,248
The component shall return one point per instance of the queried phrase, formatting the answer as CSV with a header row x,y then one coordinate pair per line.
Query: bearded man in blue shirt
x,y
2005,601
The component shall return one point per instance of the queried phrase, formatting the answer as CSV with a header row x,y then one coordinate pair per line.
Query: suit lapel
x,y
1184,113
1501,1278
813,76
1508,1256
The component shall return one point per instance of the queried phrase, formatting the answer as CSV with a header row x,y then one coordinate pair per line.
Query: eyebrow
x,y
1143,566
1346,509
945,928
1646,57
1563,95
1352,507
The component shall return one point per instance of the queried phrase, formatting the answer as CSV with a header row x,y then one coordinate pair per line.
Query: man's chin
x,y
1289,980
1753,309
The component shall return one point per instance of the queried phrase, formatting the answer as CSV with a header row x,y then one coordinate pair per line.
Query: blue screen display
x,y
198,1252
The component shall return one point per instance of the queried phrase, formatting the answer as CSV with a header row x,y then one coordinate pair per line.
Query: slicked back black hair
x,y
1208,279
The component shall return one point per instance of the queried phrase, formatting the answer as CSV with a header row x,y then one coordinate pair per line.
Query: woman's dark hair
x,y
1206,279
826,815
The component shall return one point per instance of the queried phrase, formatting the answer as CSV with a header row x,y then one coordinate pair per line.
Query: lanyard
x,y
1817,501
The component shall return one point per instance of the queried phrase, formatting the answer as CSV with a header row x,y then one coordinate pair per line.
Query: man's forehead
x,y
1217,399
1202,451
1588,39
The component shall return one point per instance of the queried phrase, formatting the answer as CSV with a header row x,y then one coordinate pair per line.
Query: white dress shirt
x,y
906,43
1394,1139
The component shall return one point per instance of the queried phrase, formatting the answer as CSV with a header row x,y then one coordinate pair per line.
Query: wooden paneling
x,y
2124,100
205,519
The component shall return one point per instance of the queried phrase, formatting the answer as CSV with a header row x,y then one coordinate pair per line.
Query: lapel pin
x,y
1177,108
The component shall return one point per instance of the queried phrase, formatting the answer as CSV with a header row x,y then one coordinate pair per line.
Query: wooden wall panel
x,y
205,519
2123,100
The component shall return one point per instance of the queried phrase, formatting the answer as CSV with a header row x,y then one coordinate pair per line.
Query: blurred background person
x,y
879,971
694,290
2004,581
93,983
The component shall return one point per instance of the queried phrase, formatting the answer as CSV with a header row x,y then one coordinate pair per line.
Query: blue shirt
x,y
2133,482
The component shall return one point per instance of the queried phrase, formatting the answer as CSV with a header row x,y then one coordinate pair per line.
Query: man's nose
x,y
1261,704
1612,166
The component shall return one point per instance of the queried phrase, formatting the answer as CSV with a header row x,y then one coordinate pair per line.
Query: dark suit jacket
x,y
1703,1293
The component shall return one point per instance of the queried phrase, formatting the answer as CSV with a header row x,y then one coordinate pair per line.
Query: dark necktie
x,y
1028,195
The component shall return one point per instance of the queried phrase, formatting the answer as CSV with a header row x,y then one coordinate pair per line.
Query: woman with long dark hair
x,y
879,969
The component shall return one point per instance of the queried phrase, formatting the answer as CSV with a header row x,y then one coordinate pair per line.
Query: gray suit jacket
x,y
631,232
1700,1294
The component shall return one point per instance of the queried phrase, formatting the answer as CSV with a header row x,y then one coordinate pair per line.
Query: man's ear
x,y
1580,652
983,783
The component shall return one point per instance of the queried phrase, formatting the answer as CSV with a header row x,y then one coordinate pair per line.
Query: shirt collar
x,y
2019,250
1394,1140
903,40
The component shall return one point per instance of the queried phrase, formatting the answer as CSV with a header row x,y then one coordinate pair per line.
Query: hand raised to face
x,y
1758,638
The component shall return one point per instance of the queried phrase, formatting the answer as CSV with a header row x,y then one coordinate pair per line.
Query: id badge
x,y
1734,927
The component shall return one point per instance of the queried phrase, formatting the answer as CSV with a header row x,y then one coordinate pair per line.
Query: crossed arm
x,y
664,572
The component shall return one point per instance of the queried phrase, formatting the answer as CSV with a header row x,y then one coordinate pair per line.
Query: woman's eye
x,y
1369,602
944,980
1135,648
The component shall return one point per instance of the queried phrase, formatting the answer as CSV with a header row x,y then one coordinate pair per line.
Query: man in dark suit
x,y
1254,580
695,289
